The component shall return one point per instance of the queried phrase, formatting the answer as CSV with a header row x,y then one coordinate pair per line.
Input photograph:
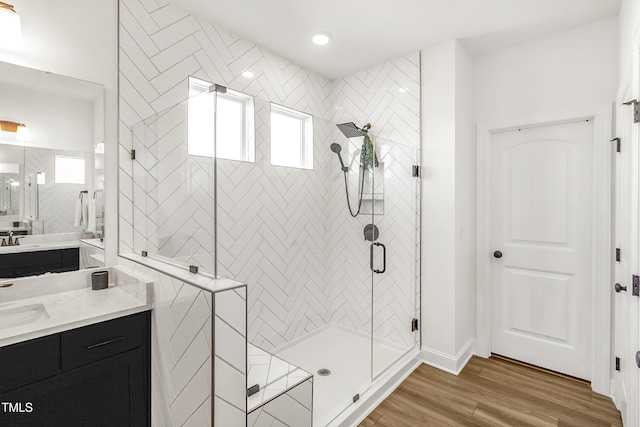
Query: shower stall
x,y
333,293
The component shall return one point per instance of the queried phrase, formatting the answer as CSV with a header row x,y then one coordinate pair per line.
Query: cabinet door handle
x,y
100,344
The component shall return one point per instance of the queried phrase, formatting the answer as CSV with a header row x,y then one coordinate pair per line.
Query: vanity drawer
x,y
96,342
70,258
40,356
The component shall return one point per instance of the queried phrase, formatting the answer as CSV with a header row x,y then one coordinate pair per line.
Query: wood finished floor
x,y
492,392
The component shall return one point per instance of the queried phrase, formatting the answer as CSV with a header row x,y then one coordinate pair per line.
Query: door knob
x,y
619,288
497,254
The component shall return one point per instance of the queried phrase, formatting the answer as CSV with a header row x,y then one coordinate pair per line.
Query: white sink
x,y
22,315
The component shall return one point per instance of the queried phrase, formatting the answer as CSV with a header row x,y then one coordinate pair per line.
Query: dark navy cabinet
x,y
97,375
21,264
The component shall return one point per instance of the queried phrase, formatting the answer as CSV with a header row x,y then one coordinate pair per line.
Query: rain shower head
x,y
350,130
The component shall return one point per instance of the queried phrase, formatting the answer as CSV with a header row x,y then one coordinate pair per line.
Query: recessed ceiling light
x,y
321,38
247,74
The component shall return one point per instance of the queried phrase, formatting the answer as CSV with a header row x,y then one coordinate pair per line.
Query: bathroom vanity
x,y
73,356
95,375
34,262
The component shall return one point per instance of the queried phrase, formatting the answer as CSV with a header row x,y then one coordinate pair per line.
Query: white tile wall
x,y
230,335
57,201
182,323
291,409
387,96
285,232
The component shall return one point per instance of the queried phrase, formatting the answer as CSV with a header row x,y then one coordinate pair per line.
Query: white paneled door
x,y
625,305
542,244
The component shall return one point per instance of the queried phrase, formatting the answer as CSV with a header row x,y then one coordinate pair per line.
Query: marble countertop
x,y
93,242
71,308
41,246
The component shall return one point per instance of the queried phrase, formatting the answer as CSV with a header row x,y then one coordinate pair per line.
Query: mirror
x,y
9,190
59,161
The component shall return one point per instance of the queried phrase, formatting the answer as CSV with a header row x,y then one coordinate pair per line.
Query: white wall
x,y
12,154
54,121
569,69
465,220
448,198
78,39
572,68
438,198
629,22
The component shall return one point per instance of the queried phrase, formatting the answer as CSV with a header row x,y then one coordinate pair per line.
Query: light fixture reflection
x,y
10,28
20,130
23,132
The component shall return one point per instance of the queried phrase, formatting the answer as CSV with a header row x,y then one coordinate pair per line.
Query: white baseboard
x,y
453,364
391,380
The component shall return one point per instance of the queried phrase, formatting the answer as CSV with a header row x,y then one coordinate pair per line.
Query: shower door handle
x,y
384,258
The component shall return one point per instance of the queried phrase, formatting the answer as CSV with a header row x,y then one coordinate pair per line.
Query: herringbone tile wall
x,y
183,319
173,192
57,201
285,232
387,96
181,352
291,409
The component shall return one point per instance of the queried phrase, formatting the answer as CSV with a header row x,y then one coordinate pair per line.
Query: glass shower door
x,y
173,190
395,265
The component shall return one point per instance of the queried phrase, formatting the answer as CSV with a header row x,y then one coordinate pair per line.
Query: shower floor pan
x,y
347,354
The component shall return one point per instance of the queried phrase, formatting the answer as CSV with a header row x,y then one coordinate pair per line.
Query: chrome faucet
x,y
11,242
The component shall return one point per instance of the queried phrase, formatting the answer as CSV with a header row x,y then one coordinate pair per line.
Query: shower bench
x,y
277,390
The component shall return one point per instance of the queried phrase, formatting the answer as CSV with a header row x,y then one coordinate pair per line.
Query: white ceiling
x,y
371,32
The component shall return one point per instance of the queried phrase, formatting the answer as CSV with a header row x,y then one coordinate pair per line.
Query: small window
x,y
69,170
291,138
235,137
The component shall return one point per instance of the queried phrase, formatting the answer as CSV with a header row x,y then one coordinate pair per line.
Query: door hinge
x,y
635,288
636,110
617,141
617,363
618,254
133,154
415,171
414,325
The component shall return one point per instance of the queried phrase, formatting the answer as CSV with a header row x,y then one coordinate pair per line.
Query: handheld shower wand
x,y
336,148
350,130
